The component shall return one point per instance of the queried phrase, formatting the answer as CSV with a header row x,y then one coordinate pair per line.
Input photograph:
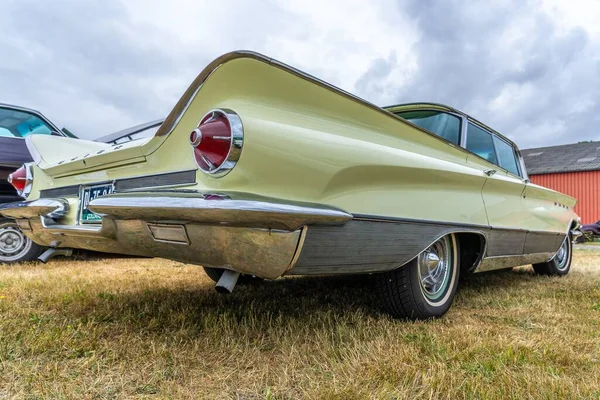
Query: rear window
x,y
442,124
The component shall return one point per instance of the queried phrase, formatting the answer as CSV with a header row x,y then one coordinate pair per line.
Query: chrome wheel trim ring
x,y
13,244
436,270
562,256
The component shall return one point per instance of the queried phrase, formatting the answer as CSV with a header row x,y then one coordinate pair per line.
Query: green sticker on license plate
x,y
88,194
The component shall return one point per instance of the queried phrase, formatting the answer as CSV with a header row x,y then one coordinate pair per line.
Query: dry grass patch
x,y
136,328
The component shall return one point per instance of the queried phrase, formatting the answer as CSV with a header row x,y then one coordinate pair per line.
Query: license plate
x,y
87,195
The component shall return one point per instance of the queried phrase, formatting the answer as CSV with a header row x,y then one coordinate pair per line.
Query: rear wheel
x,y
425,287
560,264
14,245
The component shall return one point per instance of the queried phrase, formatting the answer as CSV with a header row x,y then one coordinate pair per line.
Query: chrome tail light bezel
x,y
28,180
236,141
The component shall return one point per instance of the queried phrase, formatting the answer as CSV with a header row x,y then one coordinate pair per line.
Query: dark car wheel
x,y
425,287
560,264
215,275
14,245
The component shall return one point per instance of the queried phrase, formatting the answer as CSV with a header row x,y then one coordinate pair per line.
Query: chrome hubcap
x,y
435,268
13,244
563,255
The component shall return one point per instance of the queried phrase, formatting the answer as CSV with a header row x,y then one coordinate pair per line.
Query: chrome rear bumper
x,y
245,233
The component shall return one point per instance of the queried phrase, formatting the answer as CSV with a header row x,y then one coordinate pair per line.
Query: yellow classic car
x,y
263,170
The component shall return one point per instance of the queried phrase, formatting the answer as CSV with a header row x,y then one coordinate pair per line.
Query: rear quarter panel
x,y
548,210
306,142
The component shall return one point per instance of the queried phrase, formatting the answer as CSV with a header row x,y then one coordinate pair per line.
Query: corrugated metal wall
x,y
584,186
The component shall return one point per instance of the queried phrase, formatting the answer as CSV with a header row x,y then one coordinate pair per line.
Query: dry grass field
x,y
155,329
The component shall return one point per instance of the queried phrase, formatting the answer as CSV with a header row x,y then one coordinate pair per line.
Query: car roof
x,y
20,108
411,106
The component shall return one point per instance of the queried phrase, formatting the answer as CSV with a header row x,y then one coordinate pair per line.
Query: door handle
x,y
489,172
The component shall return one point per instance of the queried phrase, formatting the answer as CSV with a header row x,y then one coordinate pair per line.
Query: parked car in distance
x,y
590,231
261,169
16,123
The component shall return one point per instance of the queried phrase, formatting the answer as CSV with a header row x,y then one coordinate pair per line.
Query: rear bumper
x,y
249,234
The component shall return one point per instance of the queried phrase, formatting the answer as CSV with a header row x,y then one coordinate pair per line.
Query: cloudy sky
x,y
530,69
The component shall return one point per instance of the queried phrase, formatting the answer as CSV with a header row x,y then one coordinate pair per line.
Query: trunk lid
x,y
59,156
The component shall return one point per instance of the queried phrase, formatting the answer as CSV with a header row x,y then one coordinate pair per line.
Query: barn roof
x,y
583,156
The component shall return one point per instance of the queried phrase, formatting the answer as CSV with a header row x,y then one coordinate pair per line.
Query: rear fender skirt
x,y
367,245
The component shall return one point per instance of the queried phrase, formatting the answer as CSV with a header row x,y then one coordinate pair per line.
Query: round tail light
x,y
22,179
217,141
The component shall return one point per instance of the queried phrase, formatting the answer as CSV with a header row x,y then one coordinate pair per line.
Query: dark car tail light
x,y
217,141
22,179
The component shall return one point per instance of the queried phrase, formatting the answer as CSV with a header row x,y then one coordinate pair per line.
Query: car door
x,y
502,191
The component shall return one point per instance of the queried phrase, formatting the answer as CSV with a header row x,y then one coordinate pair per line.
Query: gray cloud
x,y
505,63
95,68
102,65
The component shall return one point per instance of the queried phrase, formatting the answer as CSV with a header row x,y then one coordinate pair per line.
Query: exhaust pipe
x,y
53,252
227,282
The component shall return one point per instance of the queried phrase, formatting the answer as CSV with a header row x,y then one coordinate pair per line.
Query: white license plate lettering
x,y
89,194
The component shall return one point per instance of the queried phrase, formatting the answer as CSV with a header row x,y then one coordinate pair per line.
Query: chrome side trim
x,y
381,218
233,209
502,262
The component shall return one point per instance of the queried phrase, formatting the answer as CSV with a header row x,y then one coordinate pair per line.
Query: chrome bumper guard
x,y
246,233
51,208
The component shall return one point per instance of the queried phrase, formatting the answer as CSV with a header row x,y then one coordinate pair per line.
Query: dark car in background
x,y
590,232
16,123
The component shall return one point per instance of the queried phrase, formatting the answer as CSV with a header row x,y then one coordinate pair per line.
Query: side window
x,y
15,123
442,124
506,156
481,143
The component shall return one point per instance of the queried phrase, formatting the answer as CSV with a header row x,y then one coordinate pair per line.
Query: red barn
x,y
573,169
